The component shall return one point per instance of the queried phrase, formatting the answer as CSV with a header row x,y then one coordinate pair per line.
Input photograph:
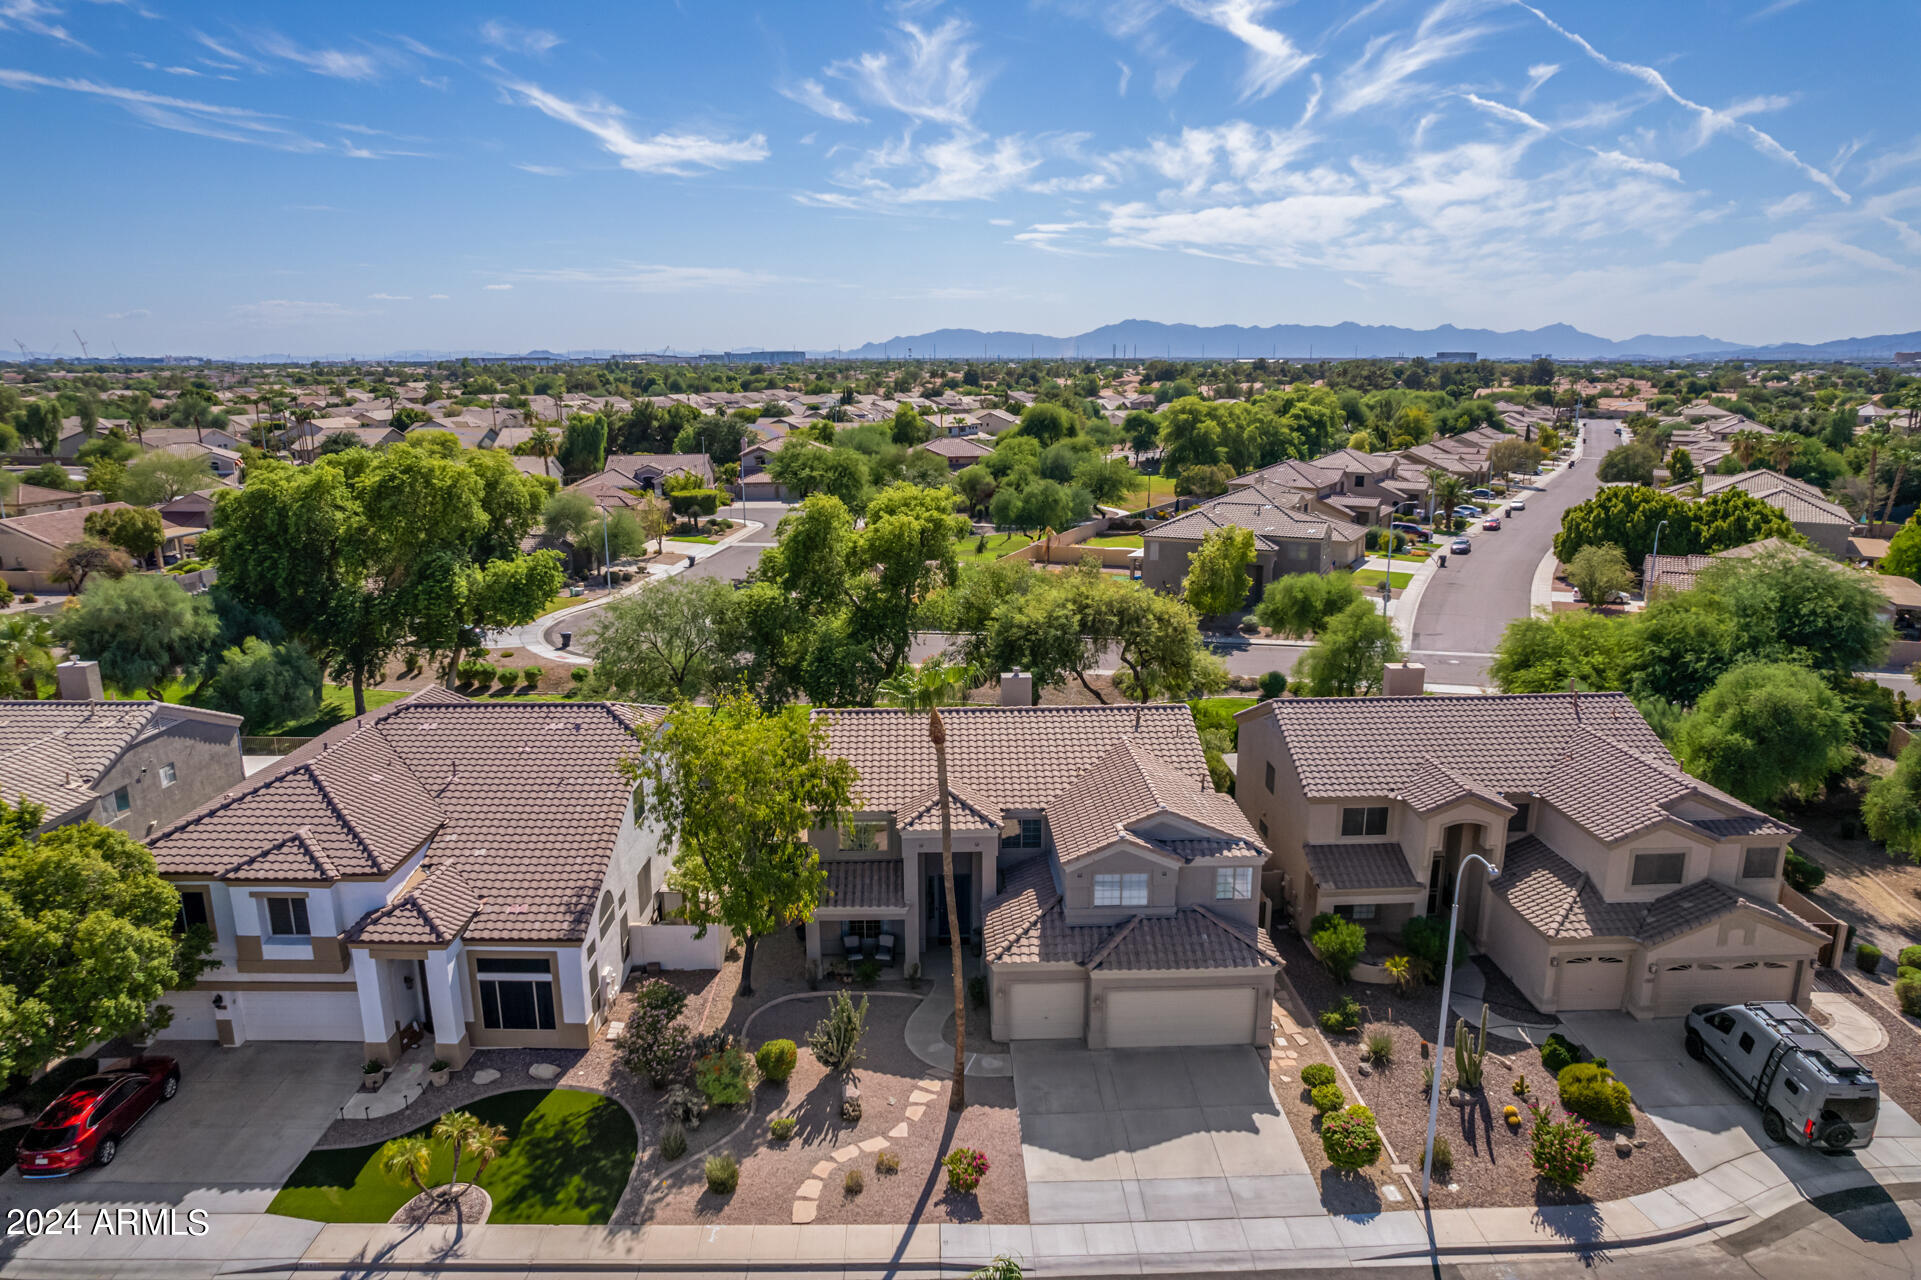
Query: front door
x,y
426,1000
937,906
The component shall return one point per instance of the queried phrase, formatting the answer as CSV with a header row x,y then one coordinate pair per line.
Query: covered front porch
x,y
411,996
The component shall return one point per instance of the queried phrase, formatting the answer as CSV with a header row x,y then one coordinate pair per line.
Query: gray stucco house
x,y
1292,534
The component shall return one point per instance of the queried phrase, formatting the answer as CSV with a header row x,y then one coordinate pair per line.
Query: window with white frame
x,y
168,776
1127,889
516,995
1357,912
1233,883
287,918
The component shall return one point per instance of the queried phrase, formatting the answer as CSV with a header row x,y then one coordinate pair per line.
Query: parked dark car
x,y
92,1116
1411,530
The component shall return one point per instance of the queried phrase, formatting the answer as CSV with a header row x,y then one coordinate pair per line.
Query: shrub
x,y
1339,944
886,1162
1907,989
1349,1138
655,1046
673,1143
685,1106
1867,957
1316,1074
776,1060
1562,1150
836,1038
579,675
507,677
977,991
1558,1053
1341,1018
965,1169
853,1184
1804,875
867,972
1592,1092
1425,939
1273,684
723,1174
658,993
1380,1047
726,1078
1327,1097
781,1128
1443,1154
530,676
1909,958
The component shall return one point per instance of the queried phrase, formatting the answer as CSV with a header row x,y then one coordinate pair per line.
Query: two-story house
x,y
1293,532
1624,883
466,868
1114,892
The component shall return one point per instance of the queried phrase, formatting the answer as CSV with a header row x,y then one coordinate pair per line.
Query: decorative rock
x,y
486,1077
1457,1098
544,1071
846,1153
809,1190
932,1086
918,1097
1622,1147
825,1169
898,1131
1361,1069
1639,1143
915,1113
873,1144
1285,1079
804,1211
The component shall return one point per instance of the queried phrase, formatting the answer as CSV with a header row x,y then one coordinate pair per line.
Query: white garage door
x,y
1180,1016
1591,982
1046,1010
300,1015
192,1016
1686,983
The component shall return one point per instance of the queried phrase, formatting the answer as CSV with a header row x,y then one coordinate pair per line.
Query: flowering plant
x,y
965,1169
1562,1150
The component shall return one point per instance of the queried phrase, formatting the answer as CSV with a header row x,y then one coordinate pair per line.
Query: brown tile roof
x,y
525,801
1704,901
1292,473
1013,758
1432,785
52,751
1378,866
1192,938
864,884
1026,925
664,464
957,447
1275,515
1129,794
432,912
968,810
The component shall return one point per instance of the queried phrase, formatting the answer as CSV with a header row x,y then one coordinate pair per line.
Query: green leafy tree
x,y
1784,606
568,515
1681,468
87,559
1107,480
1208,480
1904,551
40,425
1599,573
1891,809
735,791
909,428
583,446
143,630
1299,604
1351,654
1766,730
135,530
676,638
1217,579
157,477
26,655
105,477
1631,463
1546,652
88,943
50,475
269,685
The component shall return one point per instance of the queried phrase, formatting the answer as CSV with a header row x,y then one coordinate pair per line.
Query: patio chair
x,y
850,943
885,951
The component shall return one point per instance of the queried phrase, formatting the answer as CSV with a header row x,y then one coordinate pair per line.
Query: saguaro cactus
x,y
1469,1050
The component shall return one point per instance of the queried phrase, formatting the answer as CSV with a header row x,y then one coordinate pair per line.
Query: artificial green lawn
x,y
692,537
1130,540
567,1158
1154,491
1372,578
998,545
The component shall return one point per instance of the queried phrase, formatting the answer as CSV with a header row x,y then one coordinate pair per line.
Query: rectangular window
x,y
113,806
287,917
1129,890
167,775
1270,776
1358,912
1263,828
1760,864
1233,883
1658,868
516,995
860,836
1032,835
193,911
1519,821
1371,821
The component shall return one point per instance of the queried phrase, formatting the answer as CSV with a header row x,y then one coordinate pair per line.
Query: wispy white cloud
x,y
1769,10
675,153
814,96
1501,111
138,313
649,277
436,297
1127,74
1636,164
36,18
1711,120
544,170
1891,162
1272,58
282,311
1537,75
1054,237
926,74
1789,205
497,288
391,297
182,115
339,64
965,165
515,38
1385,71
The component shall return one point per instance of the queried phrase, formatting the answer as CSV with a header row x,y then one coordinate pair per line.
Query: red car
x,y
86,1123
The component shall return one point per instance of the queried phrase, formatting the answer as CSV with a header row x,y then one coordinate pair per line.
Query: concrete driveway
x,y
1716,1130
1154,1135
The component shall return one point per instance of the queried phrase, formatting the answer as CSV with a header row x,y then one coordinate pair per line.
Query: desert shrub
x,y
673,1143
782,1127
507,677
1425,939
886,1162
723,1174
867,972
1907,989
726,1078
657,993
1339,943
1558,1053
836,1038
1909,957
1803,875
854,1183
1592,1092
685,1106
776,1060
530,676
1380,1047
655,1046
1316,1074
1273,684
977,991
1443,1154
965,1169
1349,1138
1341,1018
1867,957
1562,1150
1327,1097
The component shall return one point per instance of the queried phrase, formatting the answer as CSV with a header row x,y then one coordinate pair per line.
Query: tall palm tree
x,y
1745,445
1780,451
408,1159
459,1130
1447,491
934,685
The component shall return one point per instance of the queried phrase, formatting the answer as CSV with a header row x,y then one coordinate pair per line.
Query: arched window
x,y
606,909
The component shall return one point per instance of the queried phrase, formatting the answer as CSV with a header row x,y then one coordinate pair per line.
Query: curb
x,y
1540,595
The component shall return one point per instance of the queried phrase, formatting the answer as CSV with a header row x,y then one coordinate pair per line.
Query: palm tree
x,y
408,1159
1902,451
934,685
461,1130
487,1142
26,654
1780,451
1447,492
1745,445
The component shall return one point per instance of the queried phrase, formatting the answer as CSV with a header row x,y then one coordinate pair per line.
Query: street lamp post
x,y
1657,538
1440,1036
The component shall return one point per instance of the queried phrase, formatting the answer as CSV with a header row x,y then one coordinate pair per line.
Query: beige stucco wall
x,y
1077,892
1102,986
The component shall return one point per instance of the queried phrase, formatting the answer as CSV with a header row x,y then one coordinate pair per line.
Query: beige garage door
x,y
1047,1010
288,1015
1685,983
1591,982
1179,1016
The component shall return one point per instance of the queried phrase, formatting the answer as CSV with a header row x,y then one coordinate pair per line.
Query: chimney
x,y
1403,680
1017,689
80,681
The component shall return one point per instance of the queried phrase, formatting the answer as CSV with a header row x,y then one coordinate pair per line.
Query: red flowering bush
x,y
1350,1139
1562,1150
965,1169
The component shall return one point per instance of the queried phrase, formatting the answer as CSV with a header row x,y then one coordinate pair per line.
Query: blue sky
x,y
354,177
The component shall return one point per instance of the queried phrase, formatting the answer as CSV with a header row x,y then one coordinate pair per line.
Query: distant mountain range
x,y
1150,338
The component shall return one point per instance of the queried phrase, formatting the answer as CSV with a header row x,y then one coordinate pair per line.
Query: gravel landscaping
x,y
1491,1161
1897,1067
775,1176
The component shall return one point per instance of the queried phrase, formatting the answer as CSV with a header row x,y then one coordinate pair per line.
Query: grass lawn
x,y
692,537
336,705
1154,490
998,545
1372,578
567,1159
1229,705
1129,540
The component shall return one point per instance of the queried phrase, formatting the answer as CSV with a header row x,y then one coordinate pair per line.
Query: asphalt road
x,y
1468,604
